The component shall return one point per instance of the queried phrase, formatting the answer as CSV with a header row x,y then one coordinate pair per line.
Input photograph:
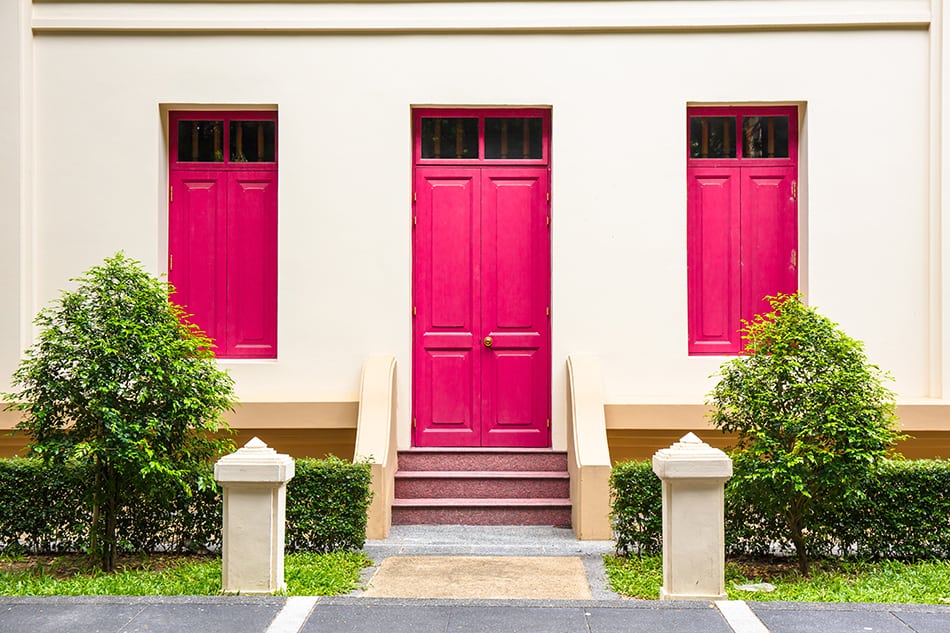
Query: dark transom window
x,y
476,136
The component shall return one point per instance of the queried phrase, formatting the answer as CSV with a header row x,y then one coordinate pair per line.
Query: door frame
x,y
481,113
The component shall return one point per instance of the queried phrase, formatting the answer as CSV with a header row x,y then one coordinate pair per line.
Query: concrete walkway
x,y
604,612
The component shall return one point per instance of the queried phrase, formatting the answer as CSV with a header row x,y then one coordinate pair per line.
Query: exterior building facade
x,y
482,190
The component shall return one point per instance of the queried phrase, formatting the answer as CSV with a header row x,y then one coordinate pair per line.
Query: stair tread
x,y
494,501
487,474
479,449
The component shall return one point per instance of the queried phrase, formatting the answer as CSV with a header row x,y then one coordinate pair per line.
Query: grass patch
x,y
635,576
333,574
926,582
159,575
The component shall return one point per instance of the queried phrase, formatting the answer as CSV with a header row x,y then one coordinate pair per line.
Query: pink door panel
x,y
713,264
481,285
770,226
197,213
446,360
514,281
252,274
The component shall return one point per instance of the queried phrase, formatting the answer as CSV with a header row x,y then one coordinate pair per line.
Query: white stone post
x,y
694,475
254,479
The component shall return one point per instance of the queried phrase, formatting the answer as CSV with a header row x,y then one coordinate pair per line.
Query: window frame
x,y
229,172
737,167
481,114
226,117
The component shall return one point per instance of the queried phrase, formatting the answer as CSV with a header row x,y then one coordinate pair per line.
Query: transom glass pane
x,y
252,141
765,137
452,137
515,138
712,137
200,141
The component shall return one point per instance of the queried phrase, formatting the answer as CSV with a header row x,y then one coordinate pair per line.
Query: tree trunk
x,y
795,518
95,543
109,546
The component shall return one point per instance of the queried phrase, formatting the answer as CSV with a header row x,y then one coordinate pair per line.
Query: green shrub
x,y
899,511
749,530
120,382
327,502
812,418
636,508
42,509
166,517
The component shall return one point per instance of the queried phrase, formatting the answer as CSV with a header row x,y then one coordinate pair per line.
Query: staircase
x,y
482,487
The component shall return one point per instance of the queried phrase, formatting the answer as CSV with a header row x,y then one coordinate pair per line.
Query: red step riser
x,y
482,487
421,460
558,517
468,488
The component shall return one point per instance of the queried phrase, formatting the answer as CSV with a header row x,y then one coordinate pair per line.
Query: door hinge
x,y
549,422
413,196
414,220
548,221
794,190
171,193
413,423
413,310
548,194
794,259
171,262
547,311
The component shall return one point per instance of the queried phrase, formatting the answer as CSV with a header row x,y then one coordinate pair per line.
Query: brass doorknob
x,y
487,341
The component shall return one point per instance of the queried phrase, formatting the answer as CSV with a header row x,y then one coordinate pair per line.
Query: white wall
x,y
619,220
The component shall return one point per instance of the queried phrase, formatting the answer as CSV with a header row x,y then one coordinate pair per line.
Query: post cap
x,y
255,462
691,458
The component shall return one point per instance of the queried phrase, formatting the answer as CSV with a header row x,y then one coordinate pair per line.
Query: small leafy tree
x,y
120,381
812,416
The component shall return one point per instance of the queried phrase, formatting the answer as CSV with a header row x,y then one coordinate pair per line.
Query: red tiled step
x,y
505,484
437,501
482,459
463,511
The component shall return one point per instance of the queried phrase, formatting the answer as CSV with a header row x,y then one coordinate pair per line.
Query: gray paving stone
x,y
517,620
828,620
66,618
926,622
207,618
646,620
391,618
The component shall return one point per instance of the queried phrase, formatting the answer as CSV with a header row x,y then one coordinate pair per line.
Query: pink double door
x,y
481,324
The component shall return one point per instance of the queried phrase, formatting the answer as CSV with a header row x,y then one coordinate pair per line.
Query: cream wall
x,y
865,208
619,221
13,62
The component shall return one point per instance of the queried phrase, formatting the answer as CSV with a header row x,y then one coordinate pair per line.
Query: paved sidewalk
x,y
606,612
358,614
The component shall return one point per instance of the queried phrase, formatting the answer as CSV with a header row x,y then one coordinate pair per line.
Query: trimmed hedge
x,y
42,510
905,512
327,502
636,508
901,512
